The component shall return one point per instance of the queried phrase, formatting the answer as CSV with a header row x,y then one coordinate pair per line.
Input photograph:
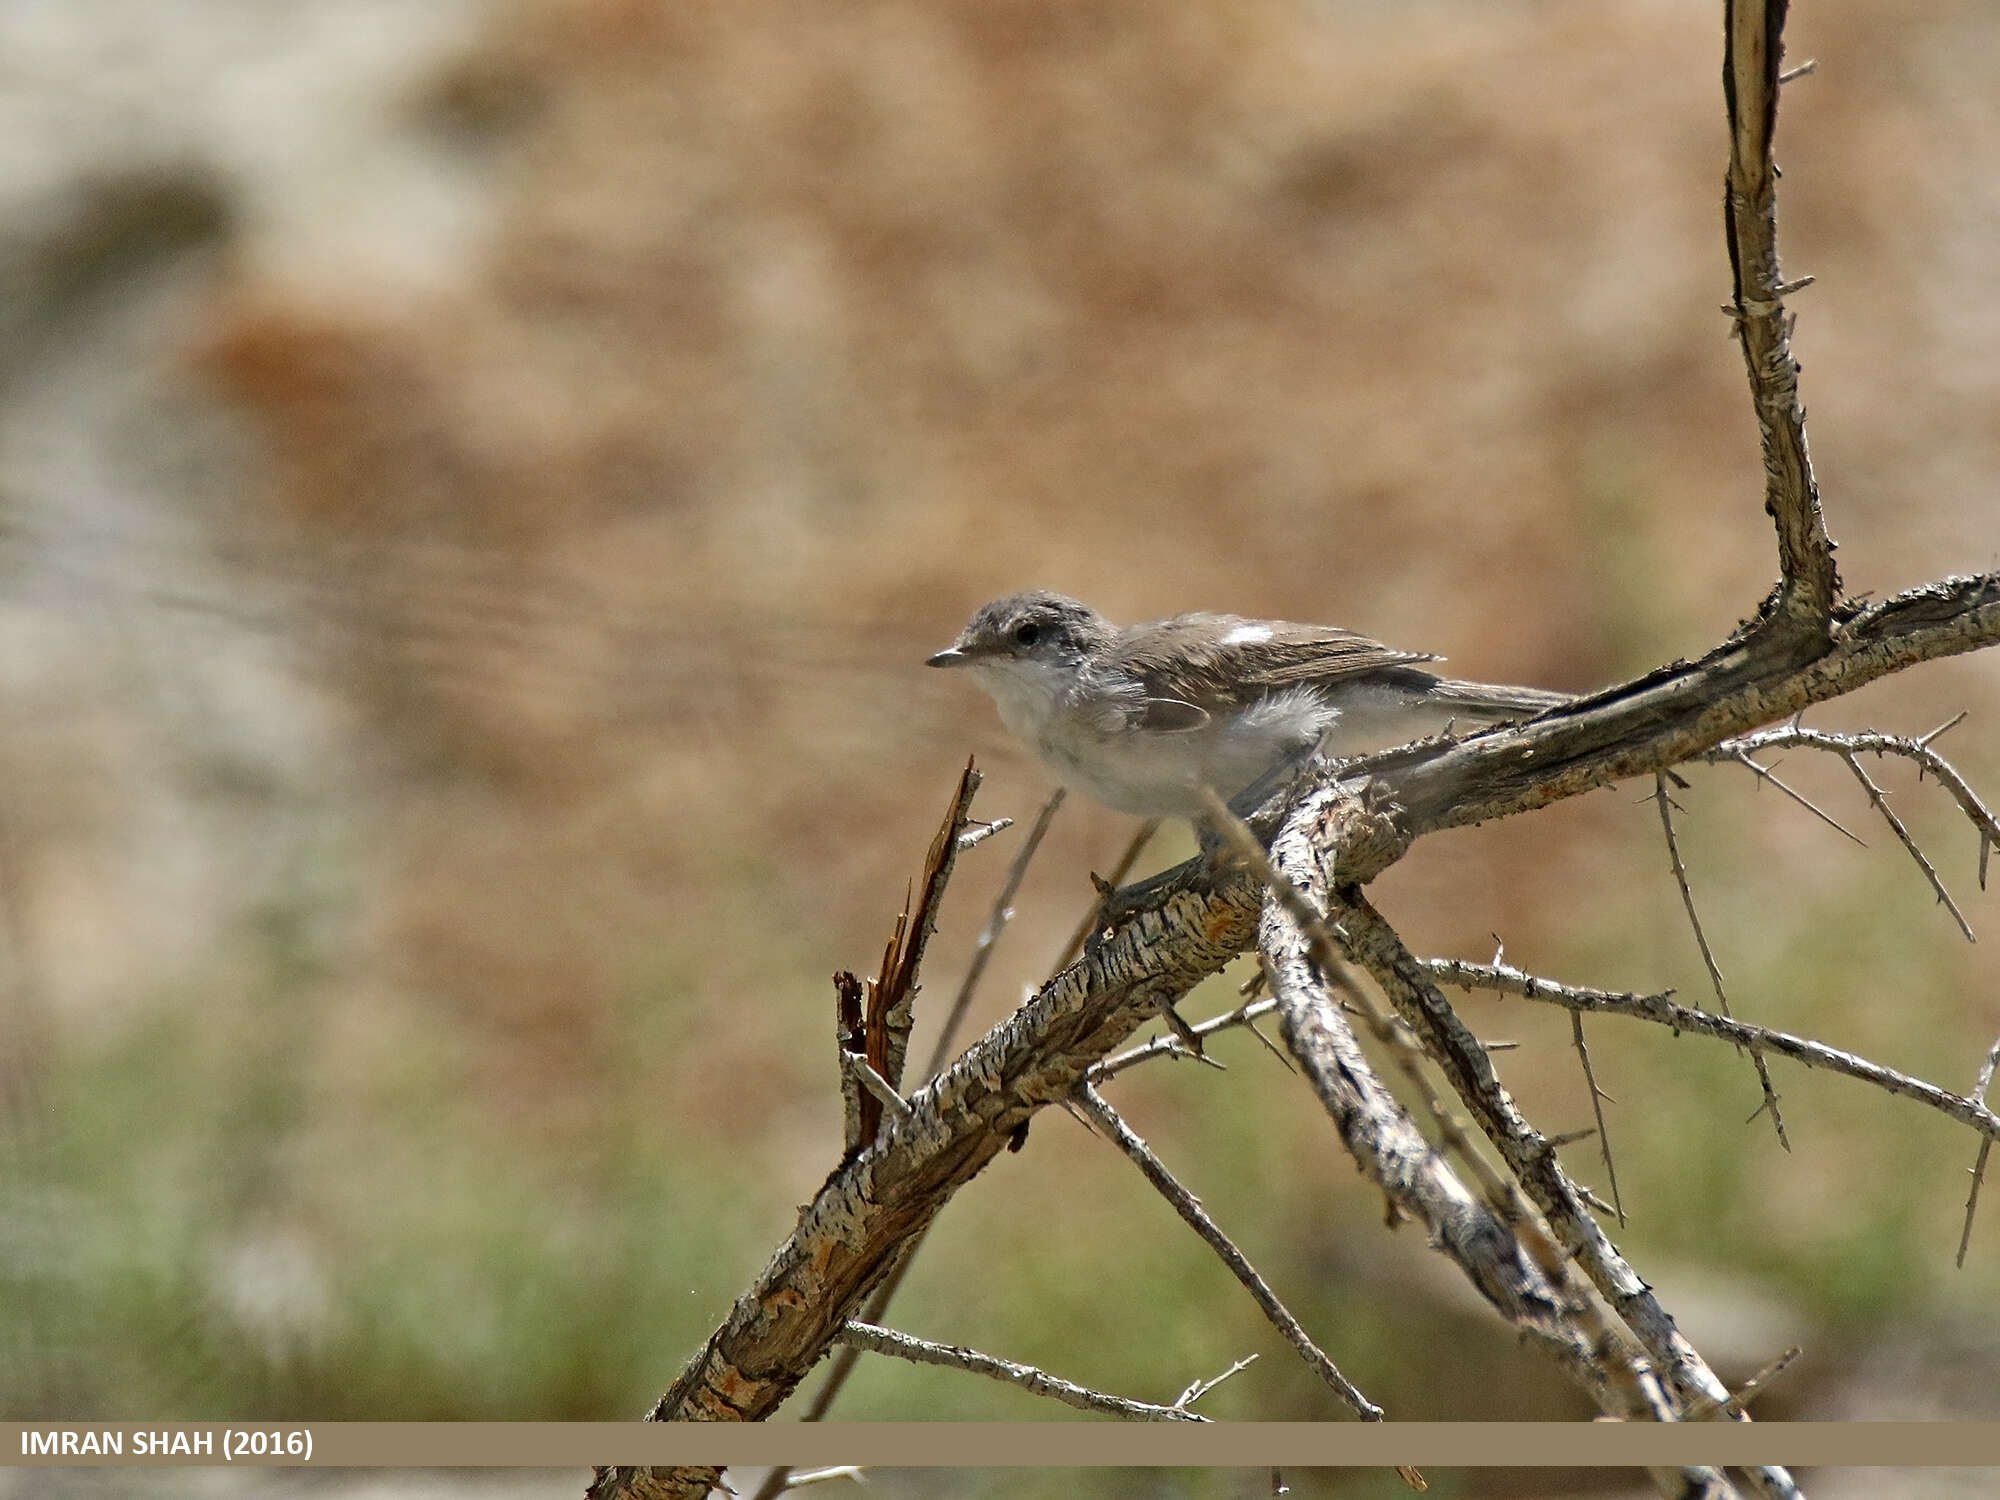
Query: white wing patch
x,y
1247,635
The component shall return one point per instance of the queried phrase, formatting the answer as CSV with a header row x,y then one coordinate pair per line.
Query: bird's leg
x,y
1285,769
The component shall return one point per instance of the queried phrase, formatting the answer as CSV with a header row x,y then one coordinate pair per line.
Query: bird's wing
x,y
1216,663
1170,715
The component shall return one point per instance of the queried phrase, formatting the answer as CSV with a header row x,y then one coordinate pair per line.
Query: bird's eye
x,y
1027,633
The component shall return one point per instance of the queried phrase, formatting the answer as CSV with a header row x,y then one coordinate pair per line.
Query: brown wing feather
x,y
1190,657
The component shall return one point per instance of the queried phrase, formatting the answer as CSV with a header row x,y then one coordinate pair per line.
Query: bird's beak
x,y
951,656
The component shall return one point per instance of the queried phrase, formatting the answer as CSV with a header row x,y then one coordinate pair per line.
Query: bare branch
x,y
970,837
1445,1038
1506,979
877,1306
874,1019
1191,923
1917,750
1107,1119
1750,77
873,1082
1202,1387
1972,1200
1326,818
875,1204
1708,957
1681,1018
1597,1098
858,1123
1666,807
1171,1046
1881,805
896,988
1979,1087
1747,1392
996,923
1663,719
922,1351
1765,773
1497,1238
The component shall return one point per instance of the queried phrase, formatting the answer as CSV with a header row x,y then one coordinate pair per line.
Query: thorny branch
x,y
1201,1388
1754,31
1121,1135
1902,832
1531,1159
1332,813
875,1016
1979,1088
1662,1011
1916,749
1497,1238
1191,924
924,1351
1245,1015
1666,805
1745,1393
989,935
1804,645
996,923
1597,1102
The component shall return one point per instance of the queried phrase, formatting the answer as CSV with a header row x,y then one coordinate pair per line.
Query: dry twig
x,y
1914,749
1881,804
1754,46
1979,1087
1201,1388
1766,774
1597,1101
1681,1018
1745,1393
1121,1135
862,1122
1171,1046
1666,806
1497,1239
996,923
922,1351
1806,646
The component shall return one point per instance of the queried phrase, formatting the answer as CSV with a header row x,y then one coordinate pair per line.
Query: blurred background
x,y
478,479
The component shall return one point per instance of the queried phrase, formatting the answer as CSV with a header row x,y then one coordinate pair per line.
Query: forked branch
x,y
1805,646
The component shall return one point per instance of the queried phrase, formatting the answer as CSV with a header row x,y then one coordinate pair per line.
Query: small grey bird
x,y
1141,717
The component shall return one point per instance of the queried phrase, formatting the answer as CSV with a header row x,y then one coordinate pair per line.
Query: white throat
x,y
1031,694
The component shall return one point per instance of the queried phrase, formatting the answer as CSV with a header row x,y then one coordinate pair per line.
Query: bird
x,y
1141,718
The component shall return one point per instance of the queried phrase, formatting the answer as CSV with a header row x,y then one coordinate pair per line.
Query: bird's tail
x,y
1493,702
